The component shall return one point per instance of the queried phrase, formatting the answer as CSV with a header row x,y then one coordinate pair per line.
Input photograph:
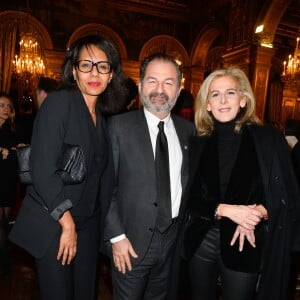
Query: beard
x,y
166,103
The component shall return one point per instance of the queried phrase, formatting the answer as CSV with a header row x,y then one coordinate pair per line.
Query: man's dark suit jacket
x,y
63,118
296,159
133,209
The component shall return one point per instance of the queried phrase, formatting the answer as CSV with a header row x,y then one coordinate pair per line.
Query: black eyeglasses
x,y
86,66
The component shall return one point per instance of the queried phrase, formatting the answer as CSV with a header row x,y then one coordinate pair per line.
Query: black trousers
x,y
206,270
149,279
5,264
76,281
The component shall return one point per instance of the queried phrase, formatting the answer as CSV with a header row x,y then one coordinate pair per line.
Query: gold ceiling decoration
x,y
291,67
29,62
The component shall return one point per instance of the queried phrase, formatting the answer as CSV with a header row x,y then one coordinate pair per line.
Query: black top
x,y
8,167
228,145
296,159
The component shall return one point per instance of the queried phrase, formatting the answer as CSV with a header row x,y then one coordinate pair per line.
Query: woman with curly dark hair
x,y
60,224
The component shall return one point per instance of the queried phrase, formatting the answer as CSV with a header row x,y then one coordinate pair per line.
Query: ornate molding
x,y
27,22
105,31
167,44
170,9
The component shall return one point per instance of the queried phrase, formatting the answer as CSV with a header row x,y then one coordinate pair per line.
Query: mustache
x,y
156,94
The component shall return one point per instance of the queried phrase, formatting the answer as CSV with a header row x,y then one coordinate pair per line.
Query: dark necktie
x,y
164,218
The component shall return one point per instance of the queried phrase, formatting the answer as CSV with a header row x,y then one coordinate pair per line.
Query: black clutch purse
x,y
71,167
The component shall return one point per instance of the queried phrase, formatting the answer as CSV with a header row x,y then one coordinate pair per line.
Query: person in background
x,y
145,215
25,119
8,173
292,135
292,132
60,225
184,105
244,201
45,86
131,99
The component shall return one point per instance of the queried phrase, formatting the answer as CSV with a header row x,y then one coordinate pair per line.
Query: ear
x,y
110,77
74,73
243,102
208,107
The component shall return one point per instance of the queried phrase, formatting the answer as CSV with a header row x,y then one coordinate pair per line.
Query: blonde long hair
x,y
11,119
203,118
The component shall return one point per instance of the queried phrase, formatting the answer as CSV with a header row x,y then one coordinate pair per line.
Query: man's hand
x,y
122,251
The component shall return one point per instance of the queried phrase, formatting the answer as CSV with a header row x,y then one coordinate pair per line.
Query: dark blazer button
x,y
155,204
280,227
151,229
283,201
276,177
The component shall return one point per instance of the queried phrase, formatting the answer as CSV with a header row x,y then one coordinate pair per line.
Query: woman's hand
x,y
243,233
4,152
244,215
68,239
263,211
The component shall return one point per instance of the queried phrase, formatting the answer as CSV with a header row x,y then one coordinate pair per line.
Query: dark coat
x,y
63,118
133,209
8,167
282,201
296,159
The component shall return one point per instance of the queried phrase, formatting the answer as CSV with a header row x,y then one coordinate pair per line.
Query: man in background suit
x,y
45,86
141,251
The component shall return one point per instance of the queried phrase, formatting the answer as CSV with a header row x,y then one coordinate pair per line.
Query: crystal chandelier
x,y
291,68
29,63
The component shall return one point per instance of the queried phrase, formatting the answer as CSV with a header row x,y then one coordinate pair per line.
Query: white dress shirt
x,y
175,155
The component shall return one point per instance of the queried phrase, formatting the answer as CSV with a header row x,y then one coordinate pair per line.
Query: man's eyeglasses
x,y
229,94
86,66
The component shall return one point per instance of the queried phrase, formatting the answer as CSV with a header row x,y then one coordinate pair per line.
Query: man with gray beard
x,y
150,148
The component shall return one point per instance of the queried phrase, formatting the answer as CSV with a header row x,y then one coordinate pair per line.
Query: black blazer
x,y
296,159
282,201
133,209
63,118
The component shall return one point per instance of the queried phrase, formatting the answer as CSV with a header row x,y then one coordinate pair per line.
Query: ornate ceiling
x,y
289,28
118,14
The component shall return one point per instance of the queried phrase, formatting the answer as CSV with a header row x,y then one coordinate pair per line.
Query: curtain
x,y
275,100
8,35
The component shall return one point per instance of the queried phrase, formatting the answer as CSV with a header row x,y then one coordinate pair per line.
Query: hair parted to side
x,y
203,118
11,119
112,100
47,84
163,57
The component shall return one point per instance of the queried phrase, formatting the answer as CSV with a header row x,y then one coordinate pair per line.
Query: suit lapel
x,y
183,140
86,122
144,142
264,147
196,147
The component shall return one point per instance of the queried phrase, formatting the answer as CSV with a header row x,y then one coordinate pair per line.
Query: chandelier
x,y
29,62
291,67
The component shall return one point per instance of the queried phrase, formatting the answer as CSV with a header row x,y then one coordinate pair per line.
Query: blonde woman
x,y
8,173
244,198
